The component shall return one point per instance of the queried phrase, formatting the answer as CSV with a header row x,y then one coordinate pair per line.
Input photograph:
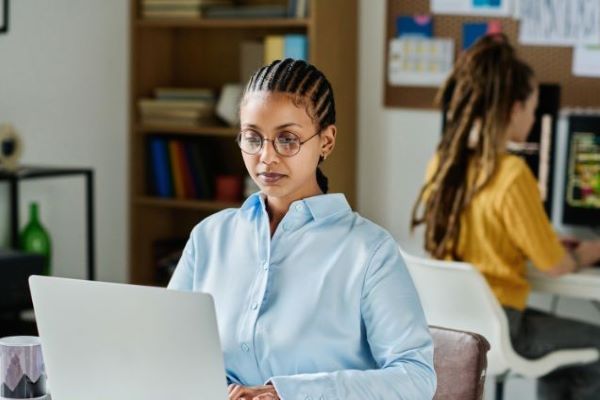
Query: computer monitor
x,y
581,200
538,151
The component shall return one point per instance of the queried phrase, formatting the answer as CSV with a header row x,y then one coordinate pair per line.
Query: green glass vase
x,y
35,238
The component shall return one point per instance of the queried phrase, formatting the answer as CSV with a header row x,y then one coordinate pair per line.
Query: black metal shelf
x,y
39,172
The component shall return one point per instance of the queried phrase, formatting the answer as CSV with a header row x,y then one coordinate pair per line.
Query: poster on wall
x,y
586,61
559,22
415,61
496,8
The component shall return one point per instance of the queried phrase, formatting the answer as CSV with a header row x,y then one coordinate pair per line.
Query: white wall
x,y
394,144
63,85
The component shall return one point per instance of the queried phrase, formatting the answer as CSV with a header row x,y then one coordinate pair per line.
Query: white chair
x,y
455,295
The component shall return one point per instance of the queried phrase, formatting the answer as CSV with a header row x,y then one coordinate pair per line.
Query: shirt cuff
x,y
305,387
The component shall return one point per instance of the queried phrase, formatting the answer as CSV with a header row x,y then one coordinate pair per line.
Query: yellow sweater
x,y
505,225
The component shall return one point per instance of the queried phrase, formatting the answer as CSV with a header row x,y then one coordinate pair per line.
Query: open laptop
x,y
112,341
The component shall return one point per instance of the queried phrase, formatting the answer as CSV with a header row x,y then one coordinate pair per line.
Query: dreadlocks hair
x,y
477,100
307,87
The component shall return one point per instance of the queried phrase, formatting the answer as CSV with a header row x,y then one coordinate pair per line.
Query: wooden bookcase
x,y
205,53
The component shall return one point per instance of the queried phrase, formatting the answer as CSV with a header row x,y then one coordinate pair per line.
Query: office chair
x,y
455,295
460,364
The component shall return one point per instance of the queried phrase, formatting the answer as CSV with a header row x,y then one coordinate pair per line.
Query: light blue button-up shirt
x,y
323,309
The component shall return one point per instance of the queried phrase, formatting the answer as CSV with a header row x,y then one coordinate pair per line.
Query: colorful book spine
x,y
195,170
161,171
296,47
274,48
186,172
200,171
177,171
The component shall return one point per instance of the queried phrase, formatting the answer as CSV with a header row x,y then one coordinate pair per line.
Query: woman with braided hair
x,y
481,205
312,300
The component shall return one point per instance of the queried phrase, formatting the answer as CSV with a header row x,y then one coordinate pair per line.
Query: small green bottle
x,y
35,239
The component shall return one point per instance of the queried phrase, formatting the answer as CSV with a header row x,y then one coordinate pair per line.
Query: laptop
x,y
113,341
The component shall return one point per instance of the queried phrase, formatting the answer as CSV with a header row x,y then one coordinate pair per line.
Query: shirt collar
x,y
321,206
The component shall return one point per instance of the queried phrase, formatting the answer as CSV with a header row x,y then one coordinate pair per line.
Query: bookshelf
x,y
187,52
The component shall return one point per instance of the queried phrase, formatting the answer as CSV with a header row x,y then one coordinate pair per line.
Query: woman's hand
x,y
239,392
589,252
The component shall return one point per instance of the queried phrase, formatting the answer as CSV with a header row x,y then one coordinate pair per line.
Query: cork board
x,y
551,64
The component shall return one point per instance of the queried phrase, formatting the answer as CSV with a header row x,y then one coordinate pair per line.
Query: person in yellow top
x,y
481,205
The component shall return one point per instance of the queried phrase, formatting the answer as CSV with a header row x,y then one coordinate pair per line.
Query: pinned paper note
x,y
419,62
475,30
586,61
559,22
414,25
499,8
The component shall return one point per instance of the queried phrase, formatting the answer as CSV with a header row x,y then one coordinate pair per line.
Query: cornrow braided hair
x,y
477,99
307,86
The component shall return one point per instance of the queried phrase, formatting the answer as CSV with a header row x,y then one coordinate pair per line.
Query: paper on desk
x,y
498,8
586,61
559,22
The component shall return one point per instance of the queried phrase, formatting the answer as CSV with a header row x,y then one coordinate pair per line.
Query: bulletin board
x,y
551,64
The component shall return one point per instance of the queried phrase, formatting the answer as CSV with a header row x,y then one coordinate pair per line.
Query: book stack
x,y
179,169
178,8
179,107
298,8
278,47
250,11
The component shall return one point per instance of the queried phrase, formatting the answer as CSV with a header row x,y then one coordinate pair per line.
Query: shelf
x,y
199,23
202,205
218,131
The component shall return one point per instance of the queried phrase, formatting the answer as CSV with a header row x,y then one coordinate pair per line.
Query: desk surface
x,y
583,284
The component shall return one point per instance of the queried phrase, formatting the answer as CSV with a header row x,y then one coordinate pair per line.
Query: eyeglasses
x,y
286,144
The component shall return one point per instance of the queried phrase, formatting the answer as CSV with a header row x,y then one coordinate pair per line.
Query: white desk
x,y
583,285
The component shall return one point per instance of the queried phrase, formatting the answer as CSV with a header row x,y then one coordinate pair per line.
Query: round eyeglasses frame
x,y
262,144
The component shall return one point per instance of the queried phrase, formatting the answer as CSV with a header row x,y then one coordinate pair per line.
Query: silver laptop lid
x,y
122,342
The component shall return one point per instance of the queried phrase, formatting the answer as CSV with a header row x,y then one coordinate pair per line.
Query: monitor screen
x,y
582,182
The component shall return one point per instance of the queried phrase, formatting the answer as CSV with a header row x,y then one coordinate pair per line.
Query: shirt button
x,y
254,306
245,348
266,266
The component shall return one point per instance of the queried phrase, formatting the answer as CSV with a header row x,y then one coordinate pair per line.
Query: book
x,y
199,170
189,188
160,167
170,93
296,47
176,170
202,3
146,103
173,113
248,11
171,13
291,8
274,48
301,8
195,167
